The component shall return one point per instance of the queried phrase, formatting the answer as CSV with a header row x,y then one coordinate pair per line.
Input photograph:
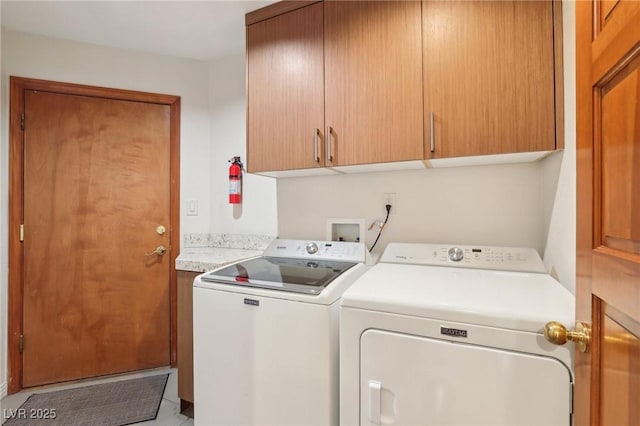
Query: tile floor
x,y
168,414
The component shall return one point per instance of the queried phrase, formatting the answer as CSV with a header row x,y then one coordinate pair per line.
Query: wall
x,y
529,205
560,171
490,205
33,56
257,213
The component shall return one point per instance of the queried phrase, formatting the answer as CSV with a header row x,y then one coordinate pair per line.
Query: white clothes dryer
x,y
441,335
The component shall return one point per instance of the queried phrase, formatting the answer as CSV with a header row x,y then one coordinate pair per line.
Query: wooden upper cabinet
x,y
339,83
489,79
285,87
373,81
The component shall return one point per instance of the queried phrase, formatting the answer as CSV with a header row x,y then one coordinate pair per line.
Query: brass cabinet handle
x,y
558,334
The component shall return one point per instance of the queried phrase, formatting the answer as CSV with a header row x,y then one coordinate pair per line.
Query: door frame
x,y
16,203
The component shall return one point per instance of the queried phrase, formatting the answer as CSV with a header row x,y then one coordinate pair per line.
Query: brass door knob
x,y
558,334
159,251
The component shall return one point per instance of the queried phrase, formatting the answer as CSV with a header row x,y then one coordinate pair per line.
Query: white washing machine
x,y
441,335
266,335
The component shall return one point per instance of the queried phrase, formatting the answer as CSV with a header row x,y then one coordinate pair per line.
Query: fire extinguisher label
x,y
235,187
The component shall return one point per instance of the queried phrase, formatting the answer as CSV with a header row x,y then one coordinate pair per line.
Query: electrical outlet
x,y
389,198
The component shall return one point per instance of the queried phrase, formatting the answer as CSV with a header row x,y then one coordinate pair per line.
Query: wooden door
x,y
373,81
96,299
488,77
285,83
608,211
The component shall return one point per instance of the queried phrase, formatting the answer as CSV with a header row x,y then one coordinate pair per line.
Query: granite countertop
x,y
203,259
205,252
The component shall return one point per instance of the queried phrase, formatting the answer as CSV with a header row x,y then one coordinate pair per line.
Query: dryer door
x,y
407,379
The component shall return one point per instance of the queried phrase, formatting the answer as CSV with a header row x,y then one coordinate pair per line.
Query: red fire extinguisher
x,y
235,181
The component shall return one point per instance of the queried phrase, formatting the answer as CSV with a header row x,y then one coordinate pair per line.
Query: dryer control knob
x,y
456,254
312,248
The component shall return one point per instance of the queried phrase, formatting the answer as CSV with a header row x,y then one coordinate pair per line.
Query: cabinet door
x,y
285,91
488,77
373,81
185,335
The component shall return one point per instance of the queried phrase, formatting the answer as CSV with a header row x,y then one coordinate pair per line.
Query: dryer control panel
x,y
464,256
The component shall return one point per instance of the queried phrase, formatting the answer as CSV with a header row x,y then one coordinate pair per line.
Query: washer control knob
x,y
456,254
312,248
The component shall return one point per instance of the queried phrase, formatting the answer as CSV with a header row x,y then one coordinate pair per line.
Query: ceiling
x,y
202,30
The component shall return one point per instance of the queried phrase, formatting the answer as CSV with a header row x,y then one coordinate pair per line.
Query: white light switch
x,y
192,207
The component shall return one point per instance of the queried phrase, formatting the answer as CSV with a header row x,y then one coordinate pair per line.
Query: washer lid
x,y
278,273
511,300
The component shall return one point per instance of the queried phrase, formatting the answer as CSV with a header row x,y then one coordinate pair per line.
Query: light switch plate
x,y
192,207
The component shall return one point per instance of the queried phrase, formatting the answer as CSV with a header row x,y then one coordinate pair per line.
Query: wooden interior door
x,y
608,211
96,299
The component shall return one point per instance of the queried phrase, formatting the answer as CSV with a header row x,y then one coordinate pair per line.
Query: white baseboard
x,y
3,390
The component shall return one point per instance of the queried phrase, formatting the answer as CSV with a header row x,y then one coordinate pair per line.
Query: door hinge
x,y
22,121
21,344
22,232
